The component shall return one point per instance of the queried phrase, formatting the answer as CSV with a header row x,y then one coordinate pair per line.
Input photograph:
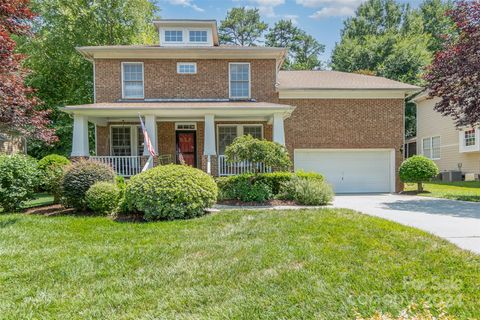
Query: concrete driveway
x,y
456,221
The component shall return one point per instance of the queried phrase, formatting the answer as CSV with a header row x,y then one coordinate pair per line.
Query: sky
x,y
323,19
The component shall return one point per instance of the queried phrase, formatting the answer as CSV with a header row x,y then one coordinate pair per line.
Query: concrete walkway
x,y
456,221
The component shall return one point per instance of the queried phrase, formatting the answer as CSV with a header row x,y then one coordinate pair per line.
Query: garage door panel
x,y
352,171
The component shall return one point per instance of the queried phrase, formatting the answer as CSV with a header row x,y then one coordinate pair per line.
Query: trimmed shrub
x,y
102,197
312,192
19,178
171,192
240,187
418,169
247,148
79,177
52,168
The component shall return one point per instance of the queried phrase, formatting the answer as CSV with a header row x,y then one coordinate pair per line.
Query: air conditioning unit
x,y
451,176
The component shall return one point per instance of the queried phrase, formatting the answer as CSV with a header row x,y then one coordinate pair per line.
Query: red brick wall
x,y
162,81
346,123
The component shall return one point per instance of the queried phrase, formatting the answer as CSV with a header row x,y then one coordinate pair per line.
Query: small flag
x,y
148,143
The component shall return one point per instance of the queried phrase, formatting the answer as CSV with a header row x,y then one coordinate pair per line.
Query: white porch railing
x,y
229,169
125,166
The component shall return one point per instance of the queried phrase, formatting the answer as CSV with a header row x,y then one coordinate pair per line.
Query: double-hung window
x,y
121,141
132,77
197,36
239,74
431,147
228,133
173,36
469,138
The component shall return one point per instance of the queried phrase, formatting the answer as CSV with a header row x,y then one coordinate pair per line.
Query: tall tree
x,y
19,111
60,75
436,22
386,38
454,74
242,27
303,49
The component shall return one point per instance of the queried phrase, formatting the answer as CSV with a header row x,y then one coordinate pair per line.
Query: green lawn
x,y
41,199
467,191
321,264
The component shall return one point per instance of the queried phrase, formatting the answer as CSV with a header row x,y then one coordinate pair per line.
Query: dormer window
x,y
197,36
173,35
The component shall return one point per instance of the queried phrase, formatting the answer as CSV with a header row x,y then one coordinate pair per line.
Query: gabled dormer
x,y
187,33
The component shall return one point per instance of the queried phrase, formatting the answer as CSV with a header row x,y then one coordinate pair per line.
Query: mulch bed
x,y
272,203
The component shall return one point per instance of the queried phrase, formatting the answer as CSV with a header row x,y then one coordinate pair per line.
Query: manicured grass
x,y
467,191
41,199
318,264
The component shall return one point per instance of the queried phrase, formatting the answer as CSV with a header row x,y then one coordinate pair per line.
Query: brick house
x,y
196,96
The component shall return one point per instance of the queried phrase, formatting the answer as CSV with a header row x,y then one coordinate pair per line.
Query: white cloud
x,y
291,17
186,3
331,8
320,3
333,12
266,7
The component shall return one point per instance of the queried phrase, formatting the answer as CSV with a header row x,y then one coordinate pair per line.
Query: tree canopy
x,y
19,112
303,49
60,74
242,27
454,73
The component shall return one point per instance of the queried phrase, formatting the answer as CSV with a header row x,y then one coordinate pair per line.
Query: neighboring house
x,y
438,139
196,96
11,144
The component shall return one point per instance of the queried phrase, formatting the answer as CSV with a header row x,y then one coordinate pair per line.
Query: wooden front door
x,y
187,148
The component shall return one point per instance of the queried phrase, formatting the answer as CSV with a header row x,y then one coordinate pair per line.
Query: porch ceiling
x,y
178,110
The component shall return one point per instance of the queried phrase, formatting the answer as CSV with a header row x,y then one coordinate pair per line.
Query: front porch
x,y
194,133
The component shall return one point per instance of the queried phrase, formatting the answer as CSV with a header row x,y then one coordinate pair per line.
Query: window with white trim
x,y
239,74
132,80
197,36
186,67
121,141
431,147
173,35
469,138
254,131
228,133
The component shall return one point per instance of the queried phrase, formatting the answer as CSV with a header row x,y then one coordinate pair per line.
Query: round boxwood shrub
x,y
171,192
102,197
52,168
418,169
19,178
79,177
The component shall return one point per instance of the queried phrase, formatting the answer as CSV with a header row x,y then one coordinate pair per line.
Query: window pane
x,y
198,36
239,81
121,141
436,148
470,138
187,68
427,150
133,80
173,36
254,131
226,135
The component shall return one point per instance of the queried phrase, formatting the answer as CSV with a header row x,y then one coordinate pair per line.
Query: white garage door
x,y
350,171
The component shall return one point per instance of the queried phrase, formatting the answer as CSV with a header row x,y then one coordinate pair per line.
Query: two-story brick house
x,y
196,96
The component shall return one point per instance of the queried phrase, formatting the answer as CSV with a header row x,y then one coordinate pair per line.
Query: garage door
x,y
350,171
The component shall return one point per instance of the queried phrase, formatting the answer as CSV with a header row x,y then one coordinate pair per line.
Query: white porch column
x,y
278,130
151,126
209,148
80,136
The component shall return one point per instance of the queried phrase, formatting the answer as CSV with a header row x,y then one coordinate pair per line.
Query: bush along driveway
x,y
456,221
309,264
